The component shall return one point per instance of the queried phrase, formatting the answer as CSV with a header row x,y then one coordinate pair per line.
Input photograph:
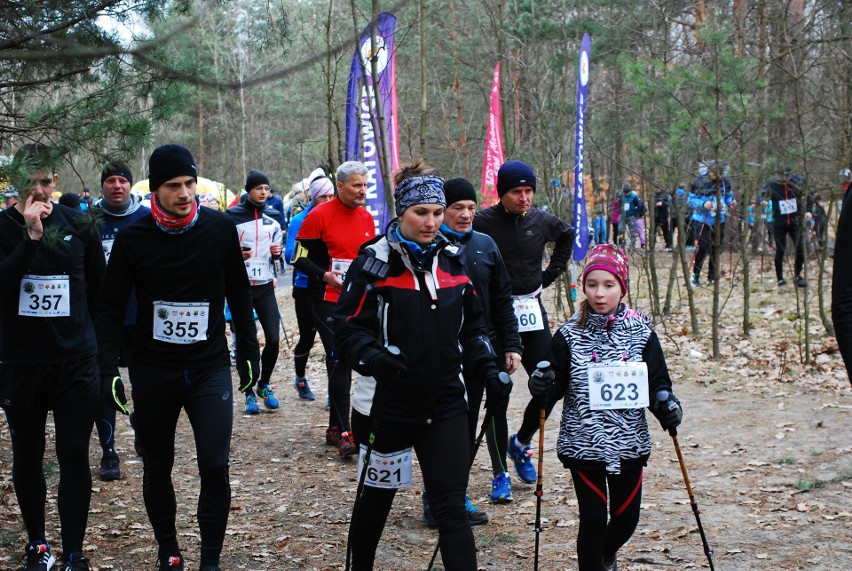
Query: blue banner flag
x,y
581,220
363,142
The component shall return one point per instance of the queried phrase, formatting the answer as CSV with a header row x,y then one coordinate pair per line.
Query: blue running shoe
x,y
475,516
269,400
428,518
251,404
521,455
501,489
304,390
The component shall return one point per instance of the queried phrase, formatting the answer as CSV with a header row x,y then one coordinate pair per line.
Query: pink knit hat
x,y
609,258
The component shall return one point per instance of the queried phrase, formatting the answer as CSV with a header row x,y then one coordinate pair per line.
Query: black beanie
x,y
457,189
256,178
512,174
167,162
116,168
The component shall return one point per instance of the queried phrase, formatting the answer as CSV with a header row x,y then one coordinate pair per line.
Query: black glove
x,y
385,366
249,372
668,411
498,384
112,391
541,383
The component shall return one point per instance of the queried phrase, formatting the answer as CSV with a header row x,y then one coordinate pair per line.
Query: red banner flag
x,y
493,144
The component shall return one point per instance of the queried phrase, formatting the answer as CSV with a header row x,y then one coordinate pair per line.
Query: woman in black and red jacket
x,y
408,289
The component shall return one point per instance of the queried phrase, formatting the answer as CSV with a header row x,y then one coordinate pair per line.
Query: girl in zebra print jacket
x,y
597,357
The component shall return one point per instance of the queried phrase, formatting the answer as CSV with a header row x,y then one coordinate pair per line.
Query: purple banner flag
x,y
581,221
362,141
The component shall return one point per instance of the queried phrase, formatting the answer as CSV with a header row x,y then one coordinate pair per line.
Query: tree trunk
x,y
421,12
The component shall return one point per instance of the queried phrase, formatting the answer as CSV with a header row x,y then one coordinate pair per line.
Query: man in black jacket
x,y
52,265
521,232
182,262
484,265
841,280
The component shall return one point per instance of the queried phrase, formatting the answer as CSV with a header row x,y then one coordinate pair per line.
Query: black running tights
x,y
307,329
444,464
205,395
266,307
73,415
339,375
597,537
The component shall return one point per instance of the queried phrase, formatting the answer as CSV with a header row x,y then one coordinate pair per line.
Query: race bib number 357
x,y
45,296
618,385
181,323
386,470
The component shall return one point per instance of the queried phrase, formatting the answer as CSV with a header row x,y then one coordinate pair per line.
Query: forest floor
x,y
765,438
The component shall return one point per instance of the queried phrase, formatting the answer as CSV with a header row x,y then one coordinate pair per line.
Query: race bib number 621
x,y
389,470
181,323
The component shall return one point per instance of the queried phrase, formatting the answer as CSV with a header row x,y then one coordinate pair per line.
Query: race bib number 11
x,y
386,470
180,323
618,385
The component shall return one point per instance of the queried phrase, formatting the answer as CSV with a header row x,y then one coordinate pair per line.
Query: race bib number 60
x,y
386,470
180,323
528,313
44,296
618,385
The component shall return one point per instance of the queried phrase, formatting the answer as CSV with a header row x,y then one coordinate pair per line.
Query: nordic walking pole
x,y
663,396
542,370
287,339
486,422
381,395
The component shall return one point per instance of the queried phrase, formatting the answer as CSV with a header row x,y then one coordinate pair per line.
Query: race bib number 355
x,y
45,296
181,323
386,470
618,385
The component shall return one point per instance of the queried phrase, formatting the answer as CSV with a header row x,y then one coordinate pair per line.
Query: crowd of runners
x,y
432,314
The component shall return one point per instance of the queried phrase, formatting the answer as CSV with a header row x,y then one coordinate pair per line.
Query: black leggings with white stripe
x,y
597,537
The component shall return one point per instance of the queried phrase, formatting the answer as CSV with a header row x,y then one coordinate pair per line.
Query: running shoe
x,y
39,557
610,563
110,466
501,489
332,436
347,444
521,455
251,404
269,400
171,563
76,562
304,390
782,282
474,515
695,281
800,281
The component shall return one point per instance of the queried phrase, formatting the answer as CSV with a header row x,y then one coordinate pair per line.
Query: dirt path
x,y
767,445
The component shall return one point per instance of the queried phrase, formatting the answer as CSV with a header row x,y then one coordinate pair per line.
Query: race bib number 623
x,y
618,385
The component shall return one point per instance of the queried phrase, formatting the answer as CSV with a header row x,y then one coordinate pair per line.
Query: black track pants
x,y
307,329
266,307
70,391
780,233
339,375
444,463
536,347
205,395
596,537
497,431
